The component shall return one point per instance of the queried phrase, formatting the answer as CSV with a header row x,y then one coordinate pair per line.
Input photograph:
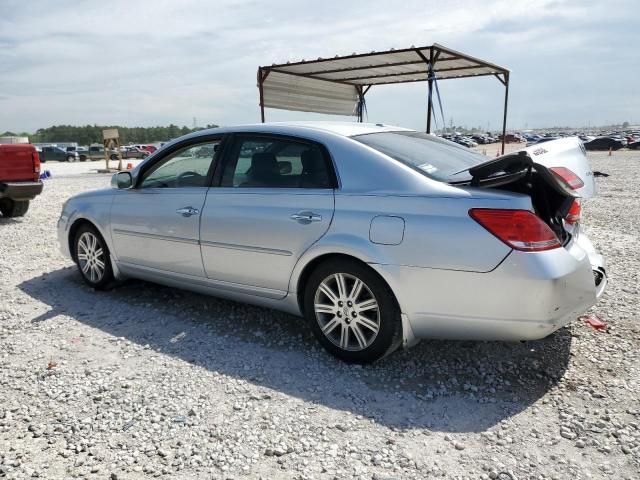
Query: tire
x,y
71,158
92,257
351,334
13,208
114,157
83,158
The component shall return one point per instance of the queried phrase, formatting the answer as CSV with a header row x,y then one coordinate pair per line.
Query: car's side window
x,y
188,167
265,162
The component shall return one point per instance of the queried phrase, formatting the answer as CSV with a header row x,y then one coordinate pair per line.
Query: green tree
x,y
88,134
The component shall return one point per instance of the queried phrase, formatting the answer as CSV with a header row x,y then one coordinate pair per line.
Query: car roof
x,y
346,129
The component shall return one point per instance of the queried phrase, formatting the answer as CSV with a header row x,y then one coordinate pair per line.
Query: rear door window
x,y
271,162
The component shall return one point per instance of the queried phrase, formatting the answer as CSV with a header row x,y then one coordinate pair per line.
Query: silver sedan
x,y
377,235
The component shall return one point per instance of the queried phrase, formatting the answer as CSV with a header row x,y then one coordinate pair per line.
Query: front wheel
x,y
352,311
71,159
92,257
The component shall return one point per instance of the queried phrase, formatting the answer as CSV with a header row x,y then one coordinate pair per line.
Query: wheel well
x,y
72,234
313,264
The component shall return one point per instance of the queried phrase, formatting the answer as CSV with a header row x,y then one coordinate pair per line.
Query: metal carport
x,y
338,85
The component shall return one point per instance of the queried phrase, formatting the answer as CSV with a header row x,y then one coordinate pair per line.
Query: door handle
x,y
188,211
306,217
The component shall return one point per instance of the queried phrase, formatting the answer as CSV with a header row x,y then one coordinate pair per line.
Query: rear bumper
x,y
20,190
527,297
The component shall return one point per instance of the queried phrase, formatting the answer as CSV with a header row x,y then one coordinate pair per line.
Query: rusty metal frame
x,y
438,55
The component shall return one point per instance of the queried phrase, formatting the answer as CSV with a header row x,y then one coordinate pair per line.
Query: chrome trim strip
x,y
231,246
155,236
246,248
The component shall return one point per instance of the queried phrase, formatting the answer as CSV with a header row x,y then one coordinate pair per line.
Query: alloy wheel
x,y
347,311
91,257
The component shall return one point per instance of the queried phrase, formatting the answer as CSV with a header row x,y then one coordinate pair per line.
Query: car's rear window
x,y
432,156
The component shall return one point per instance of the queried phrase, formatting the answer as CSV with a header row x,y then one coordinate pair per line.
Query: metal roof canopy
x,y
338,85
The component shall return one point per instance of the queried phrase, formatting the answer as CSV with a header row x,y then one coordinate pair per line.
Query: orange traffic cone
x,y
129,166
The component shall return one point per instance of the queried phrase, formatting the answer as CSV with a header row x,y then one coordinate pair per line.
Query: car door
x,y
274,200
155,225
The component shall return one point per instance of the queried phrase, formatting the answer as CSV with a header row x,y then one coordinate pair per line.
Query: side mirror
x,y
122,180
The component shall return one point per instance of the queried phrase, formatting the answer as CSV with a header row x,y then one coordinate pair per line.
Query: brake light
x,y
35,158
520,229
574,213
567,177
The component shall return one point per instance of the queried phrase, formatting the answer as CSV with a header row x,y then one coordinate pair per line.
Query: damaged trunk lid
x,y
553,175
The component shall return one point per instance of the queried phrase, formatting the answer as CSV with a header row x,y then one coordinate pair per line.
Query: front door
x,y
274,201
155,225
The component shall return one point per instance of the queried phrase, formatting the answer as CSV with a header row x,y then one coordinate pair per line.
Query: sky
x,y
155,62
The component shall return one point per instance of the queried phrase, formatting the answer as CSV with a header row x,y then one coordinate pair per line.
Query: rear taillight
x,y
574,213
36,166
520,229
567,177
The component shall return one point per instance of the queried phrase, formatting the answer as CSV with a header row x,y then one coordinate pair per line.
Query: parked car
x,y
377,235
147,148
130,152
634,145
541,140
481,139
512,138
465,141
619,138
82,152
58,153
603,143
19,178
95,152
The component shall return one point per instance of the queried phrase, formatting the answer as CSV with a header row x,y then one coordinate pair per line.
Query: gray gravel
x,y
144,381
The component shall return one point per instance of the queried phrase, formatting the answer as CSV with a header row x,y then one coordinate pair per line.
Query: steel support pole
x,y
504,118
430,96
429,107
260,82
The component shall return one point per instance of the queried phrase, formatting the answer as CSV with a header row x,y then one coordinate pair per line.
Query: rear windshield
x,y
430,155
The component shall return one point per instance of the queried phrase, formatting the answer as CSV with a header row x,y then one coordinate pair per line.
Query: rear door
x,y
156,224
274,200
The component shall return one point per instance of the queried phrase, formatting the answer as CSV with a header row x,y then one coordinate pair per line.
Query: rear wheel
x,y
13,208
71,158
352,311
92,257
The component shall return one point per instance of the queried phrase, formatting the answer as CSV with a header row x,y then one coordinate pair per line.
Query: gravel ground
x,y
145,381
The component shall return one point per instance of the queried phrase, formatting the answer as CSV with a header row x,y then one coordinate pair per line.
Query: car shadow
x,y
8,220
439,385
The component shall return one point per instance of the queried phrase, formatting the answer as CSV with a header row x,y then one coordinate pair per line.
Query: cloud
x,y
159,62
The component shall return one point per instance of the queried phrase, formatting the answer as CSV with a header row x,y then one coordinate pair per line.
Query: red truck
x,y
19,178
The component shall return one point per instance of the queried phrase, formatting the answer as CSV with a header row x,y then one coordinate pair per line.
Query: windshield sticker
x,y
427,167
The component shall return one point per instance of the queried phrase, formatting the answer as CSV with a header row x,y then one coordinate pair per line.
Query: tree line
x,y
88,134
